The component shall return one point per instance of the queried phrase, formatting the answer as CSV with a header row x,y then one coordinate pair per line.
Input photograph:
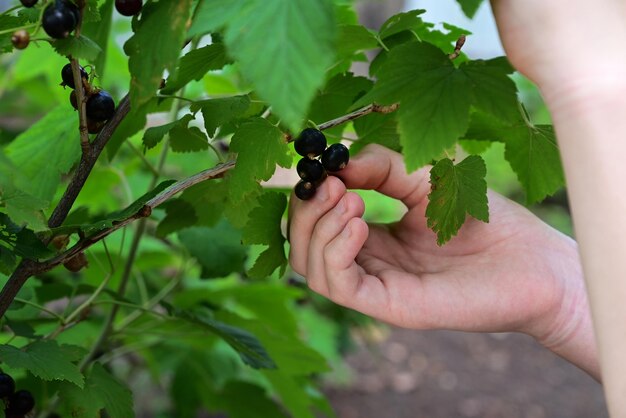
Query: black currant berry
x,y
68,77
21,402
128,7
305,190
335,157
100,106
7,385
20,39
60,18
310,143
74,100
94,126
310,170
28,3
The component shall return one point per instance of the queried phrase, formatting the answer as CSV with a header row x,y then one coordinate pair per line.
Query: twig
x,y
82,106
457,48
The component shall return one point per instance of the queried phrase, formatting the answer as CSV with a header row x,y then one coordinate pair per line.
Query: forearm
x,y
591,124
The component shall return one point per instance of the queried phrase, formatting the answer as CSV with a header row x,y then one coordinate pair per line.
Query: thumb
x,y
381,169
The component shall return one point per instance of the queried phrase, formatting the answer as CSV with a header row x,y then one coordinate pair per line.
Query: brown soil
x,y
451,374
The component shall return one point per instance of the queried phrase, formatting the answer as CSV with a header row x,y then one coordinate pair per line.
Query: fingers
x,y
379,168
333,223
303,217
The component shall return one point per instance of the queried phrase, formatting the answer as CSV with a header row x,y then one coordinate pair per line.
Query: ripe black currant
x,y
310,170
74,100
20,39
128,7
7,385
94,126
335,157
28,3
304,190
100,106
20,403
310,143
60,18
68,77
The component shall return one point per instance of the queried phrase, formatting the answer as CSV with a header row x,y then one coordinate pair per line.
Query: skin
x,y
515,273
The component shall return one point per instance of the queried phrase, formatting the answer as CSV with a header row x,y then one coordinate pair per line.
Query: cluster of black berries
x,y
60,18
311,143
16,404
100,106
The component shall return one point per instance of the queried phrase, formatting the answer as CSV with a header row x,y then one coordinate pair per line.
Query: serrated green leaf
x,y
188,139
435,97
195,64
245,343
260,146
9,22
214,14
401,22
376,128
155,46
456,191
101,392
284,47
154,135
354,38
20,241
218,250
217,112
91,13
22,208
470,7
46,151
44,359
268,261
208,200
81,47
531,150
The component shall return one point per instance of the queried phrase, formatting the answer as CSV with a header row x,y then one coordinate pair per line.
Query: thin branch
x,y
373,108
81,103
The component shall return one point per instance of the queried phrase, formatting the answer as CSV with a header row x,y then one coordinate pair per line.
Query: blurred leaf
x,y
218,249
155,46
354,38
44,359
46,151
20,241
456,191
260,146
470,7
214,14
401,22
100,33
180,215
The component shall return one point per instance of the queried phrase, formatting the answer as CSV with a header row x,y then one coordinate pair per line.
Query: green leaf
x,y
91,13
180,215
9,22
101,392
188,139
218,249
22,208
470,7
456,191
195,64
81,47
20,241
44,359
268,261
100,33
376,128
245,343
401,22
531,150
435,97
284,47
217,112
260,146
155,46
214,14
46,151
354,38
154,135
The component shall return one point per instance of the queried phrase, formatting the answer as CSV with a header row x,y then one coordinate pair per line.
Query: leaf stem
x,y
41,308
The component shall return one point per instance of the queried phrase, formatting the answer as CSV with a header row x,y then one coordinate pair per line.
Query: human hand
x,y
512,274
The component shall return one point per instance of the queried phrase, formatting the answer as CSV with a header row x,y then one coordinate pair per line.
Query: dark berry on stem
x,y
128,7
7,385
28,3
310,170
60,18
310,143
74,100
335,157
68,77
304,190
100,106
94,127
20,39
21,402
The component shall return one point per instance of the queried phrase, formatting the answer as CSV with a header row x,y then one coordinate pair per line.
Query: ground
x,y
452,374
